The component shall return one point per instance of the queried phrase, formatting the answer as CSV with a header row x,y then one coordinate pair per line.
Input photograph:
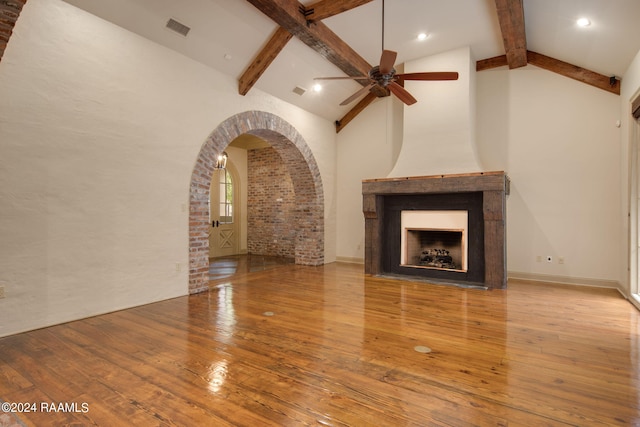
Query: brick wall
x,y
271,205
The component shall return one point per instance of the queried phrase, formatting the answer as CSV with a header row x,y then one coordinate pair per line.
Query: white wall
x,y
99,133
367,148
558,141
439,130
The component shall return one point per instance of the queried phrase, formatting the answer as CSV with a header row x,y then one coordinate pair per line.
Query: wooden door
x,y
223,234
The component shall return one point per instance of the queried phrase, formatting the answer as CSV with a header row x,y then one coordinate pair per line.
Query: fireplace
x,y
434,239
447,228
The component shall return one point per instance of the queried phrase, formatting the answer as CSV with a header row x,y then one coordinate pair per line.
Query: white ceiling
x,y
228,34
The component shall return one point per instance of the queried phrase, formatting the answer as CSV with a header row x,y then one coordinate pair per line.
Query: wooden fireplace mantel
x,y
494,187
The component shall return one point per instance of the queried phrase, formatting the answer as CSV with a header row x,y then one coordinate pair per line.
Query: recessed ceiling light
x,y
423,36
317,87
583,22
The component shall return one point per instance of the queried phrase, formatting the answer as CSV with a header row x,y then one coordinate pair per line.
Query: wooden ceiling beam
x,y
292,16
327,8
608,83
289,14
511,18
9,13
364,103
495,62
260,63
304,23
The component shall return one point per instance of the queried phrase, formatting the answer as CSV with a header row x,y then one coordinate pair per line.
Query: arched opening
x,y
304,172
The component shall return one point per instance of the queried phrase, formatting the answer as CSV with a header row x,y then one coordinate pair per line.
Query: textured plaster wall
x,y
439,130
367,148
558,141
99,133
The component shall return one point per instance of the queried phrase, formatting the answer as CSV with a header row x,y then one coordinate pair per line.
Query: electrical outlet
x,y
549,258
539,258
178,267
560,260
1,291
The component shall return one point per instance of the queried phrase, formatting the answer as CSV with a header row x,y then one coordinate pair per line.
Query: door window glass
x,y
226,198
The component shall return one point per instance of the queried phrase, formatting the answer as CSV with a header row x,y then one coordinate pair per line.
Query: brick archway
x,y
304,172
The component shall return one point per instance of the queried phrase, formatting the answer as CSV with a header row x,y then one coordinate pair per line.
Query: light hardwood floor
x,y
328,346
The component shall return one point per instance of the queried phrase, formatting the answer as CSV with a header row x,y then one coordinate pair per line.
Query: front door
x,y
223,235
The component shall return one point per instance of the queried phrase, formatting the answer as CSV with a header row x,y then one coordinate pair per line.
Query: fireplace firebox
x,y
434,239
449,228
438,248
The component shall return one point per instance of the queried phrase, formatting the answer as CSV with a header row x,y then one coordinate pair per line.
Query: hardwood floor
x,y
328,346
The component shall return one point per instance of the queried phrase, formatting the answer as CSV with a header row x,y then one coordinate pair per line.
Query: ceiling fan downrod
x,y
382,25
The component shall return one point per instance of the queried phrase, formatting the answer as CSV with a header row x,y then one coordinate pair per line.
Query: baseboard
x,y
350,260
567,280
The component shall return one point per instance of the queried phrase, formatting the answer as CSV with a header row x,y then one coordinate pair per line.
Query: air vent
x,y
179,28
299,90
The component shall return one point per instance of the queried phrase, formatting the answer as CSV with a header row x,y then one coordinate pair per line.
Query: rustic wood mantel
x,y
494,187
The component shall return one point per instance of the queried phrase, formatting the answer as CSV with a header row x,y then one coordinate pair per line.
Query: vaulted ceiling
x,y
279,45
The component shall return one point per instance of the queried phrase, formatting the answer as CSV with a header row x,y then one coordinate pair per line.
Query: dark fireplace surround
x,y
482,195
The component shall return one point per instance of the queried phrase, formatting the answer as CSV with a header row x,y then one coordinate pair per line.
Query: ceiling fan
x,y
384,76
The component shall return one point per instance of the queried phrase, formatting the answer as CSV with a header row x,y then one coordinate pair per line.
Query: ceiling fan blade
x,y
357,95
402,93
342,78
387,60
435,75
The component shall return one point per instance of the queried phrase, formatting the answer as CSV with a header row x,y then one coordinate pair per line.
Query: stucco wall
x,y
439,130
367,148
558,141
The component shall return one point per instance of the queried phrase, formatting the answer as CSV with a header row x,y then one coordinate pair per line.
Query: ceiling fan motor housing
x,y
382,79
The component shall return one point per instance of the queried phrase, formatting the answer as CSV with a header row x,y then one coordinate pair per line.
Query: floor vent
x,y
176,26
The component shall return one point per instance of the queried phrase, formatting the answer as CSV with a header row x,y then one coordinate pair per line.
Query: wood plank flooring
x,y
327,346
